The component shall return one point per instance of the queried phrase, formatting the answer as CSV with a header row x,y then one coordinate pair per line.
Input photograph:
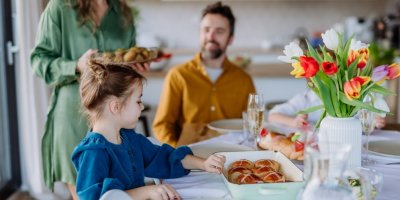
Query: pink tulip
x,y
379,74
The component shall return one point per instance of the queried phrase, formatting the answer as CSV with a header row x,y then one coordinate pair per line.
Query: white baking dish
x,y
270,191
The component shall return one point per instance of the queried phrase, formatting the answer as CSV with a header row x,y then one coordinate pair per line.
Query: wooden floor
x,y
21,196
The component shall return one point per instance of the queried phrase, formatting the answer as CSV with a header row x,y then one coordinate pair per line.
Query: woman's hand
x,y
299,121
214,164
141,67
82,61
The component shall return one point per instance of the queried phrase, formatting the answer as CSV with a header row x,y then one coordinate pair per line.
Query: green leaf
x,y
313,53
381,90
332,89
347,48
325,95
358,104
310,109
367,70
323,115
352,71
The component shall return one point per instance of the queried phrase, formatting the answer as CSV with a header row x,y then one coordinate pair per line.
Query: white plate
x,y
226,125
205,150
388,148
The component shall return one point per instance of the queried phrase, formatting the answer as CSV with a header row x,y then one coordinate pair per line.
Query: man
x,y
208,87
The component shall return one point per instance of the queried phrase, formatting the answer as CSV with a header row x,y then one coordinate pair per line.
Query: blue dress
x,y
102,166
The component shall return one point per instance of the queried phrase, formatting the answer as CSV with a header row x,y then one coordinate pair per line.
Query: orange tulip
x,y
352,88
394,71
362,53
307,67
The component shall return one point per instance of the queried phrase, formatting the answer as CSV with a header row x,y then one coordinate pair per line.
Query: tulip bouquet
x,y
340,73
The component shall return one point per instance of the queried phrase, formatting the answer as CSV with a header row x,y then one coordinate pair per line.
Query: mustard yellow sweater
x,y
189,96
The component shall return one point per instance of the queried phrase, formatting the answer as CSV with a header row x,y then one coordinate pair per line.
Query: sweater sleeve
x,y
163,161
169,110
46,57
92,180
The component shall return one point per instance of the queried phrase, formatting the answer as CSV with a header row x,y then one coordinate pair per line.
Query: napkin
x,y
199,185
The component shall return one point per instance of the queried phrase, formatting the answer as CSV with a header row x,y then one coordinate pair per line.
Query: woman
x,y
70,32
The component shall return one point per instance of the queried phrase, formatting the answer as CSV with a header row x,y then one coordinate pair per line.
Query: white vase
x,y
345,131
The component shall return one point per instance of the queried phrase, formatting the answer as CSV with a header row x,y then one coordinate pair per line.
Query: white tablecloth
x,y
201,185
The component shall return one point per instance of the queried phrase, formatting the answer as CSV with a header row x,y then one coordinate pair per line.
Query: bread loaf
x,y
277,142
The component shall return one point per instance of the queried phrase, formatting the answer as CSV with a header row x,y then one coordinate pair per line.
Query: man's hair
x,y
224,10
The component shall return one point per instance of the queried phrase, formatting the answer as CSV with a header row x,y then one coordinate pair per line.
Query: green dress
x,y
59,44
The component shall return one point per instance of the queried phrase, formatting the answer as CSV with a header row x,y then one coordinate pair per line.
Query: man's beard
x,y
212,54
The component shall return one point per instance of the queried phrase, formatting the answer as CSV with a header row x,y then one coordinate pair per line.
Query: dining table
x,y
202,185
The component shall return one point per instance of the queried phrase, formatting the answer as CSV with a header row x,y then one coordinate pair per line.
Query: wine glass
x,y
255,116
367,119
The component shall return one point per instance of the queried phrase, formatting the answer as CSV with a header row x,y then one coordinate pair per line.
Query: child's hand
x,y
380,122
214,164
300,120
162,192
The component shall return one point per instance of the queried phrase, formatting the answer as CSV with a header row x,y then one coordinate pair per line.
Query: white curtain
x,y
32,97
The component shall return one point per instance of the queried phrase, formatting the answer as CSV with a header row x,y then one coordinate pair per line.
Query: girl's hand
x,y
300,120
82,61
214,164
162,192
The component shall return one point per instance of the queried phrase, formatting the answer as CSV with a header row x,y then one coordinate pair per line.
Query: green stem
x,y
323,115
367,88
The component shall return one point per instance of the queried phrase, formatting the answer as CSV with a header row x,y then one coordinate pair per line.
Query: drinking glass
x,y
326,180
255,116
246,133
367,119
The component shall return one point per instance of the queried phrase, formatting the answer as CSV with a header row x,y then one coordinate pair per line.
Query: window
x,y
10,174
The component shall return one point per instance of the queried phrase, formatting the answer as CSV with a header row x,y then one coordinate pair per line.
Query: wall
x,y
274,21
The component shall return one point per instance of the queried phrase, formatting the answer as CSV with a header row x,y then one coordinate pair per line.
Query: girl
x,y
113,155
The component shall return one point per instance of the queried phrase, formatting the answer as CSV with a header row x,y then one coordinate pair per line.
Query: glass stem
x,y
367,146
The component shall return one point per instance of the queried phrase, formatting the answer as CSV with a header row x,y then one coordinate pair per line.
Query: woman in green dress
x,y
70,32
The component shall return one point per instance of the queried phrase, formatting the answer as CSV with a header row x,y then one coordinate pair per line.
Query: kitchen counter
x,y
273,70
264,63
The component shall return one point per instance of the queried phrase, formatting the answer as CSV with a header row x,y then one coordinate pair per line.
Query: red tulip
x,y
307,67
310,66
329,68
362,79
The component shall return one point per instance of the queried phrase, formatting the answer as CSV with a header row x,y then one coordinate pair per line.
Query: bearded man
x,y
207,88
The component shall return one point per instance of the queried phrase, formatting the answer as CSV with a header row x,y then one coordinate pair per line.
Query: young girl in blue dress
x,y
113,155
